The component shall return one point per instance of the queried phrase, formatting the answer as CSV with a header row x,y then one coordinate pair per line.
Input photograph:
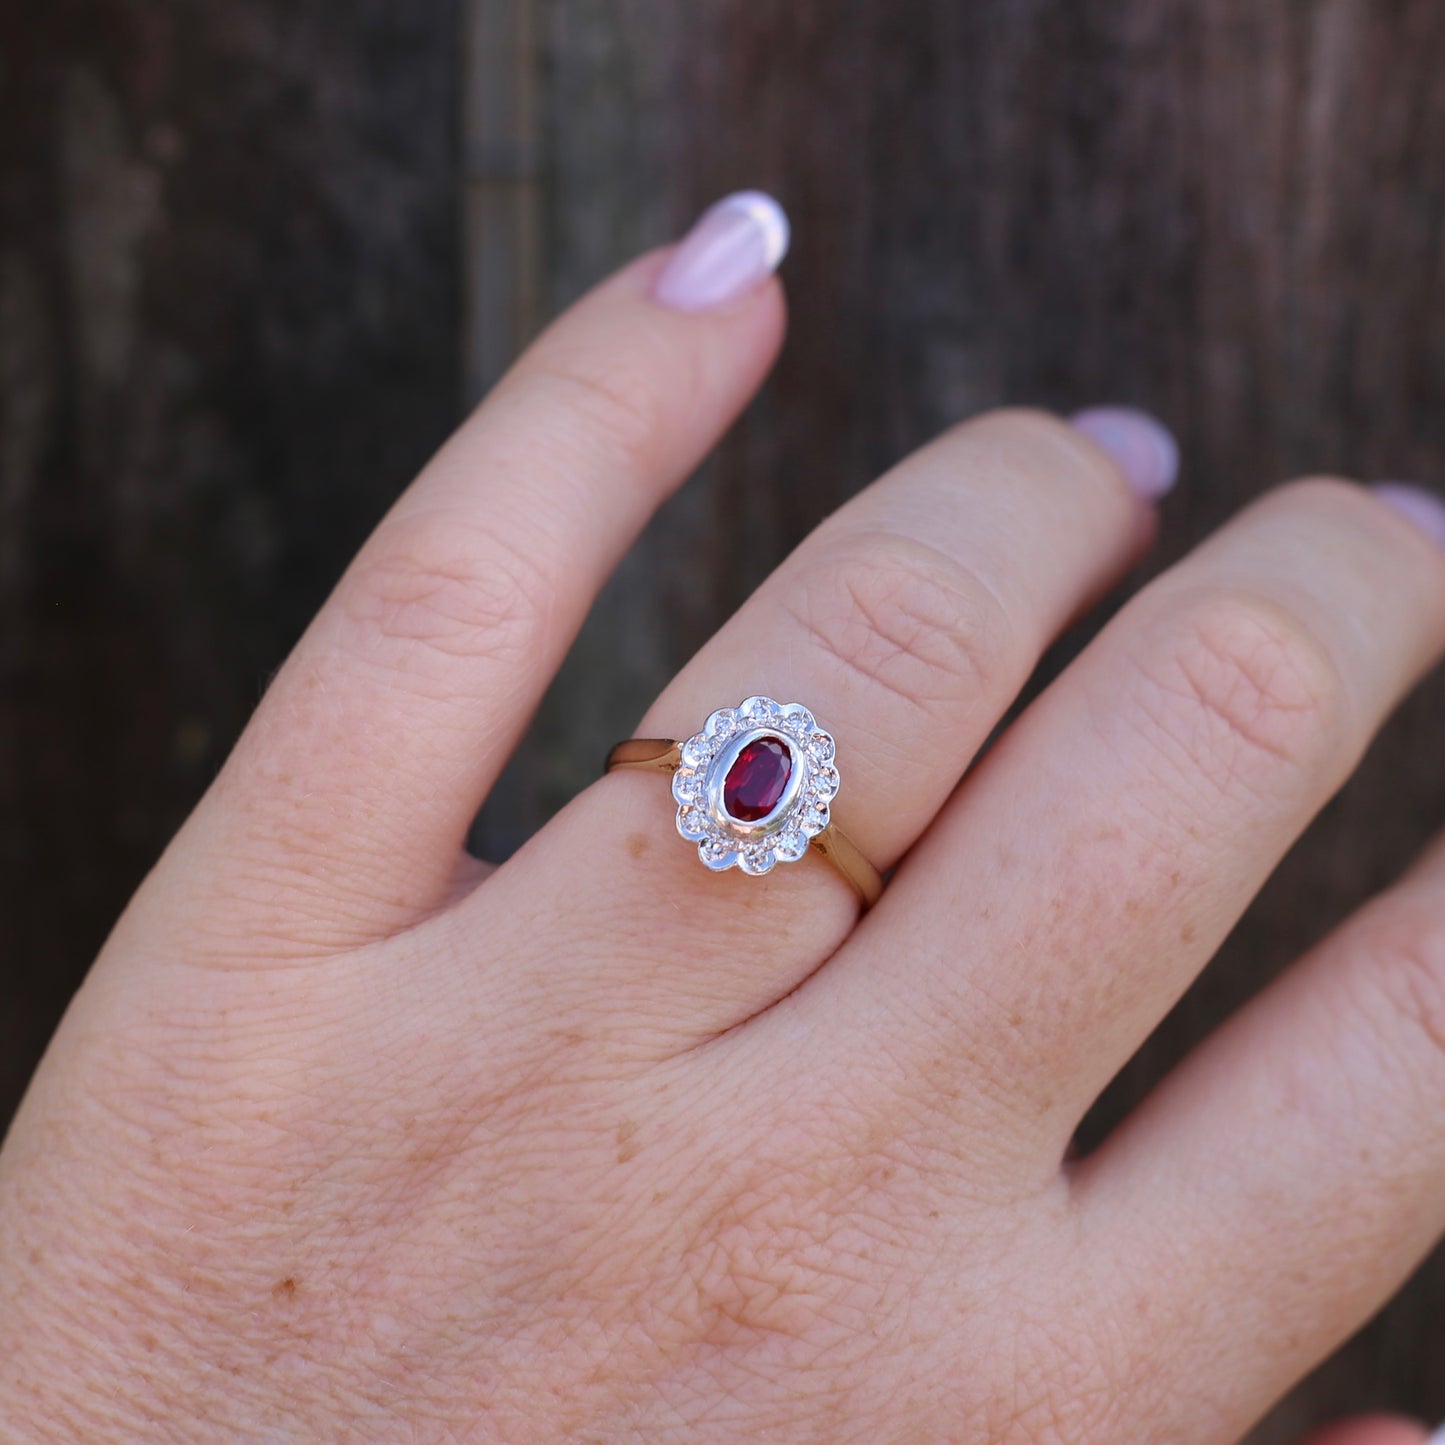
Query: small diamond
x,y
716,854
821,748
692,823
756,859
798,720
790,845
759,709
814,819
722,724
695,751
686,787
825,784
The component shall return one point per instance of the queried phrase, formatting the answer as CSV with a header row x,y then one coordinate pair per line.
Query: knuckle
x,y
1244,689
775,1255
742,1282
447,590
905,619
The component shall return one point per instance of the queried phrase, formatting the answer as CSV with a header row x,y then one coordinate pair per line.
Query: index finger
x,y
343,812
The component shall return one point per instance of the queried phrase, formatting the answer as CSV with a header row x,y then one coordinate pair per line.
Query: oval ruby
x,y
757,779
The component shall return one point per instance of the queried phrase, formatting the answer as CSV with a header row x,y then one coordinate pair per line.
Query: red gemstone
x,y
757,779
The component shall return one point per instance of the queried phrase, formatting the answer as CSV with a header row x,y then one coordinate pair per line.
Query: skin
x,y
347,1137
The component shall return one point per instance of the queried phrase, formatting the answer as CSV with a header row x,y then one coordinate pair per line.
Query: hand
x,y
347,1137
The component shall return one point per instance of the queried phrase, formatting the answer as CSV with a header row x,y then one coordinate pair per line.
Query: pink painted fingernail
x,y
1427,511
1144,448
735,246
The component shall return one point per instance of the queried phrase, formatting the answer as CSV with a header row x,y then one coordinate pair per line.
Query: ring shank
x,y
654,755
663,755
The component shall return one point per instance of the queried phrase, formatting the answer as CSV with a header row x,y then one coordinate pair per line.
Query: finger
x,y
1285,1179
1102,851
907,622
350,795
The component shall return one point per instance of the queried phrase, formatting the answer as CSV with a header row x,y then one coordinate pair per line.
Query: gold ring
x,y
754,789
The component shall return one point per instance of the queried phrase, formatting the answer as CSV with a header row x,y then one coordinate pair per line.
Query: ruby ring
x,y
755,788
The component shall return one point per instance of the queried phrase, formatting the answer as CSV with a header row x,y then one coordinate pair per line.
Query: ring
x,y
754,789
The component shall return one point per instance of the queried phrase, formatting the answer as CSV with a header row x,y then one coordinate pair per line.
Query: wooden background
x,y
254,257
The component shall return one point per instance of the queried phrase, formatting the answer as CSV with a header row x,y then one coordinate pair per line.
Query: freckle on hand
x,y
627,1145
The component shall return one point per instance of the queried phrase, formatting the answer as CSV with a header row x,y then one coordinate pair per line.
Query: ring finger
x,y
907,623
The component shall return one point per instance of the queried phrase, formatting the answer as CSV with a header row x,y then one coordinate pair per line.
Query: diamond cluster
x,y
724,841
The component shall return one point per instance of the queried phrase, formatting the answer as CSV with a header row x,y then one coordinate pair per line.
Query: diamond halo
x,y
710,758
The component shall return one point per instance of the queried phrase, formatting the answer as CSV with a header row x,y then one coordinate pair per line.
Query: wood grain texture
x,y
231,325
229,291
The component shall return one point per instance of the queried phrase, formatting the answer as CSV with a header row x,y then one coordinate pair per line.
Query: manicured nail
x,y
1427,511
735,246
1438,1438
1144,448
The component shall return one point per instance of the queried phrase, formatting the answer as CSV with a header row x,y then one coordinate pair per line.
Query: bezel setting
x,y
801,812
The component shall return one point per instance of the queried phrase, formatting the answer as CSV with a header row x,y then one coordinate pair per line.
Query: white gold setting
x,y
799,814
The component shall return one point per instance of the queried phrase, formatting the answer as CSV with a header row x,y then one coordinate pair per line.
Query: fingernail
x,y
1438,1438
735,246
1144,448
1427,511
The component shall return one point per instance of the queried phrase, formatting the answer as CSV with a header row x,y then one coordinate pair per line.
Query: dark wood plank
x,y
229,300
